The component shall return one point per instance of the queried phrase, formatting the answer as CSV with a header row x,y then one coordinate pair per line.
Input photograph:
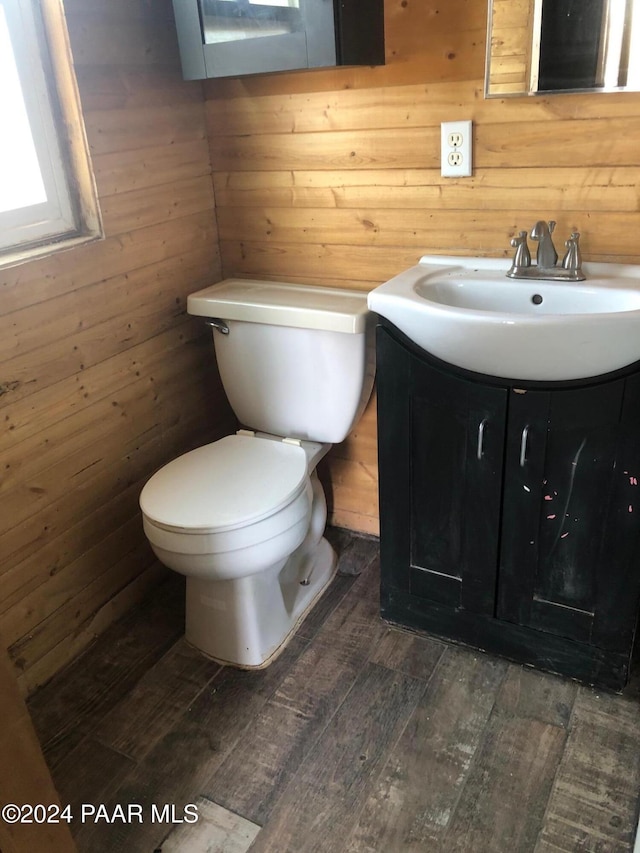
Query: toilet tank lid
x,y
235,481
278,303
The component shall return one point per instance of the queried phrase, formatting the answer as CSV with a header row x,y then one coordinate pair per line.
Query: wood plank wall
x,y
333,176
104,377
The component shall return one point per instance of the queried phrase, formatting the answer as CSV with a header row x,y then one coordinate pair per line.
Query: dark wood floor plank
x,y
323,799
409,653
339,587
594,802
90,773
504,799
157,701
69,707
355,553
175,770
254,775
538,695
411,805
607,711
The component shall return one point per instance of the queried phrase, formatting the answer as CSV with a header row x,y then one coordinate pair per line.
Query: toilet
x,y
243,518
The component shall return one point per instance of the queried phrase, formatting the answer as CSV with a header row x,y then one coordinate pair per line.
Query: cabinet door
x,y
222,38
441,451
568,526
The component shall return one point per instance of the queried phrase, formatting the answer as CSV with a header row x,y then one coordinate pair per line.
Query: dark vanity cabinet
x,y
223,38
510,511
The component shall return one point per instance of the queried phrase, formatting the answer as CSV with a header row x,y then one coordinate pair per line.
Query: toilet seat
x,y
232,483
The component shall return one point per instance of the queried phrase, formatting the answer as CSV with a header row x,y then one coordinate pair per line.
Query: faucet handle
x,y
573,258
522,257
519,240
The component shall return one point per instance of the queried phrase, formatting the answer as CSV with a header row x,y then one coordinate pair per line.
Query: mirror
x,y
232,20
536,47
229,38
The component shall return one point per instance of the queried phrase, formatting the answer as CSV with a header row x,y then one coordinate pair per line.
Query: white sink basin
x,y
466,312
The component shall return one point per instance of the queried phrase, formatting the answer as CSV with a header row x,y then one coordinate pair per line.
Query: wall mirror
x,y
226,38
536,47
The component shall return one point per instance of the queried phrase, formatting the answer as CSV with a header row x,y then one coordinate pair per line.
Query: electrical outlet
x,y
455,149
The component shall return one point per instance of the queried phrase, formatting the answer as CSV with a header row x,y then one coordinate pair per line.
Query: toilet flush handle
x,y
220,325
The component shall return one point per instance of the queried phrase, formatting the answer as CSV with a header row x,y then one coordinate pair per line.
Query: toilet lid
x,y
233,482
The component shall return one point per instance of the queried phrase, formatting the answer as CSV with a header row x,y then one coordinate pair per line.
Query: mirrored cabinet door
x,y
222,38
236,20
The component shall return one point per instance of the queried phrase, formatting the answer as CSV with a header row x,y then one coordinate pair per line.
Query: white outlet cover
x,y
464,168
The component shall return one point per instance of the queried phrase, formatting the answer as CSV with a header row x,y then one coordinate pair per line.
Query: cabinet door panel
x,y
456,439
441,442
618,577
556,502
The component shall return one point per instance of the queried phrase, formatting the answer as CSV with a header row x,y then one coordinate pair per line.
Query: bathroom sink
x,y
466,312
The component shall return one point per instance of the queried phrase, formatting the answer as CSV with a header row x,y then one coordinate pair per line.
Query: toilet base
x,y
247,622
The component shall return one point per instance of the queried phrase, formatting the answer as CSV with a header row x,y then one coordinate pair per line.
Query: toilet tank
x,y
298,361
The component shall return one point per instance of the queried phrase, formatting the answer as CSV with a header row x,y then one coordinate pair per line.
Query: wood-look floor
x,y
361,737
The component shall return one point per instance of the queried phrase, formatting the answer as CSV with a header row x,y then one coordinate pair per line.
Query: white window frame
x,y
70,214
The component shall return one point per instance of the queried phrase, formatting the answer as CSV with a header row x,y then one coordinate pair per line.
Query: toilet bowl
x,y
243,519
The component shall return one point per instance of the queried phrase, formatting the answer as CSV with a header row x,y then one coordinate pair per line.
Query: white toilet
x,y
243,518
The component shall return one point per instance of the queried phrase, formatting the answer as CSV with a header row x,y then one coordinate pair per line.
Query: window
x,y
46,193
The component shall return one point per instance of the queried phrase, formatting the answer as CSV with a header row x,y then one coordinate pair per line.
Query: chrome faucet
x,y
546,256
546,266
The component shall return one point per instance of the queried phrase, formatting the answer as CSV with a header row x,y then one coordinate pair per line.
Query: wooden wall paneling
x,y
61,587
589,142
353,495
109,481
598,189
103,376
93,326
20,578
144,127
350,476
103,39
316,261
69,397
381,148
445,38
441,229
68,618
62,583
399,107
428,231
118,10
26,461
118,87
119,254
72,463
162,164
148,206
76,642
